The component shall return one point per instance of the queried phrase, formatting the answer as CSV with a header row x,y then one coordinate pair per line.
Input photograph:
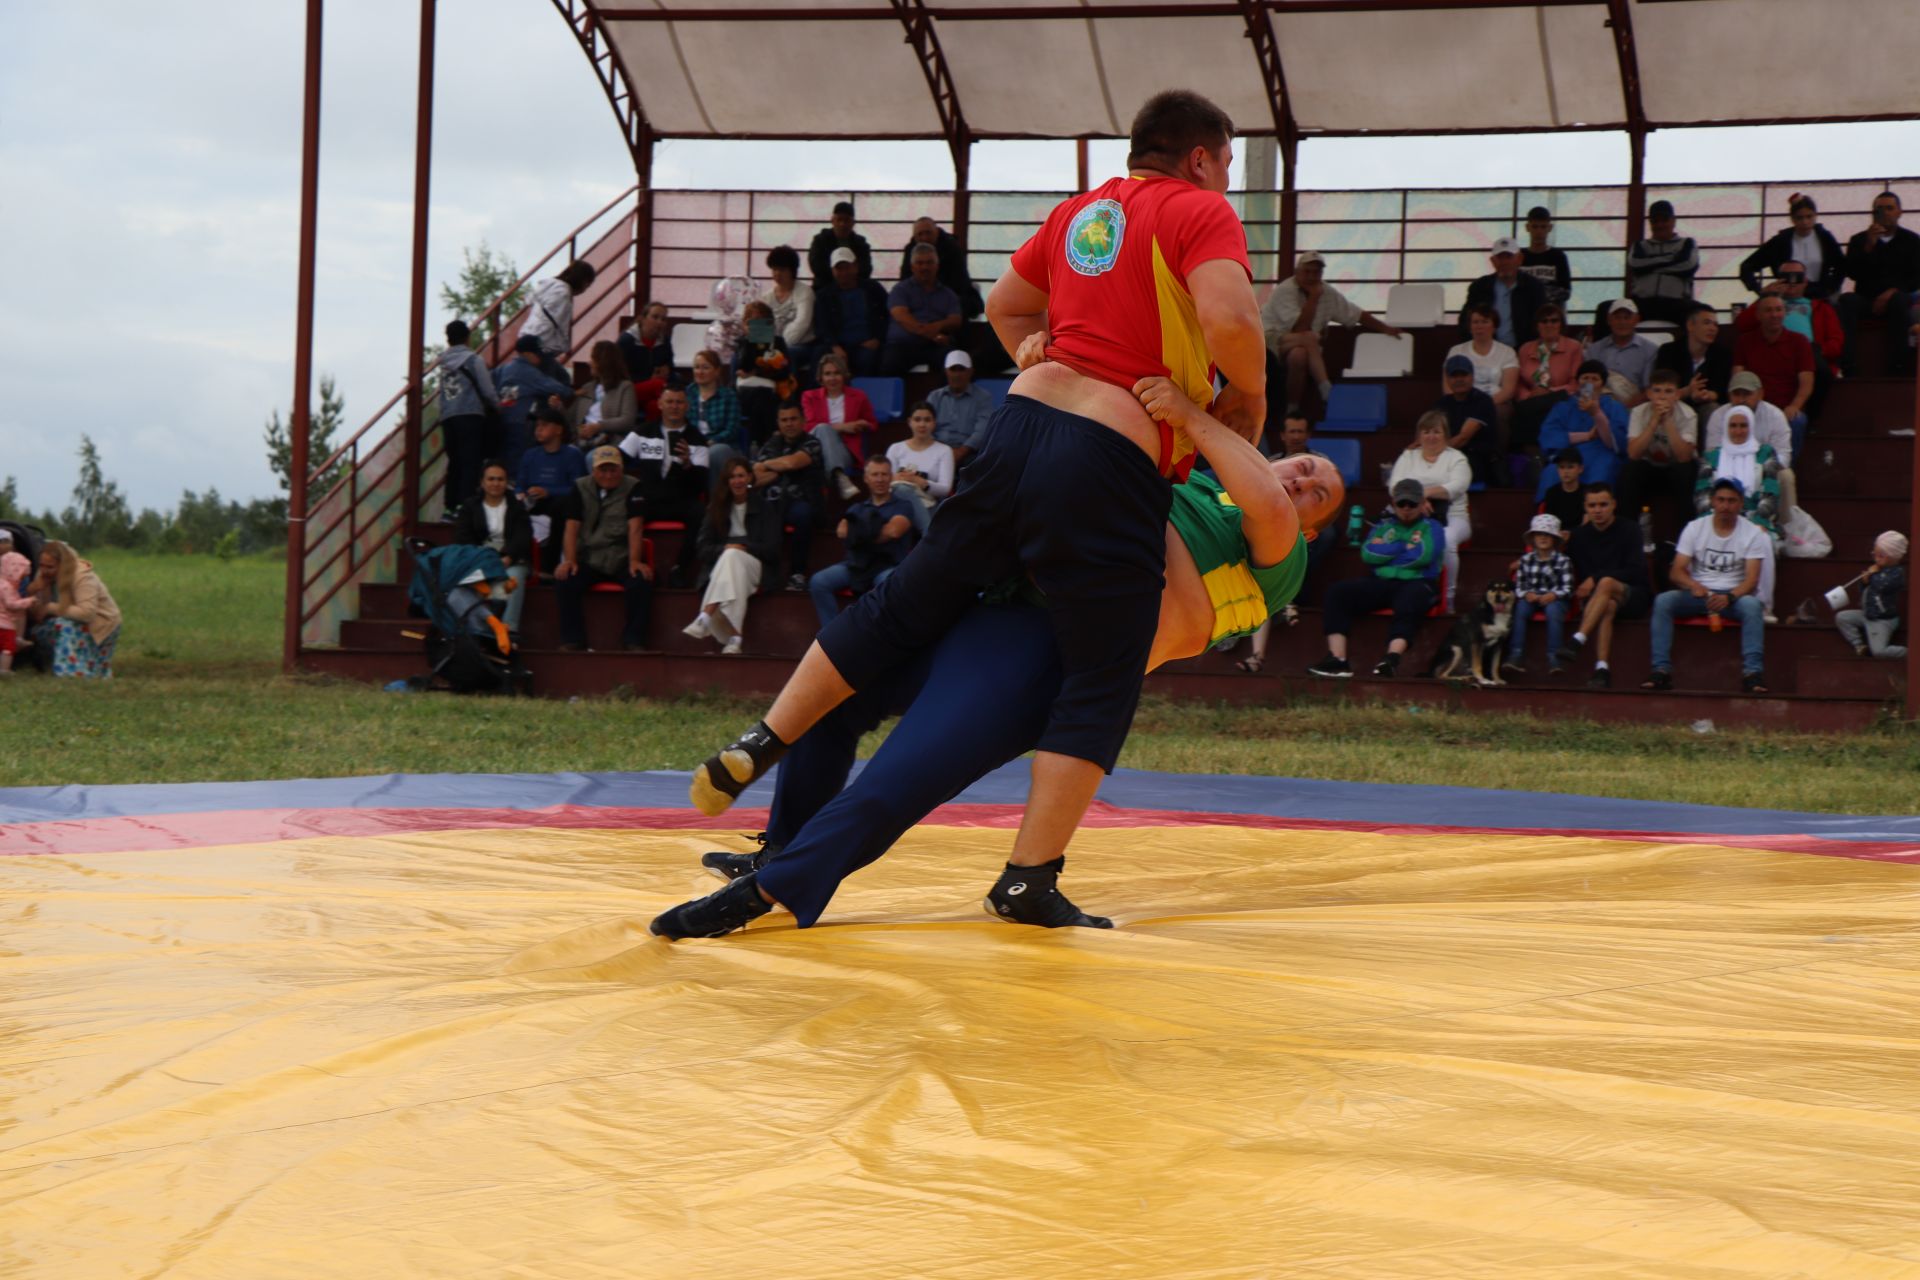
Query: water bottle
x,y
1356,524
1715,622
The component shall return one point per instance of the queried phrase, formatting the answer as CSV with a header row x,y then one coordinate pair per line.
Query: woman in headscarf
x,y
75,617
1743,459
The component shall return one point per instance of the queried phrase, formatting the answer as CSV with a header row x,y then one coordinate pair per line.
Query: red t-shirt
x,y
1778,364
1114,265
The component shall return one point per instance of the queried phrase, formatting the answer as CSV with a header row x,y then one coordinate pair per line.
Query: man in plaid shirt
x,y
1543,580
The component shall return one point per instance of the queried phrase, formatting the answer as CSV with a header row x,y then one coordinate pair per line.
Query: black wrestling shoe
x,y
719,782
717,914
1031,895
731,866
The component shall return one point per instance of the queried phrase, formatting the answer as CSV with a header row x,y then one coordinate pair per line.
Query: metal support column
x,y
1081,174
1273,72
1913,597
417,317
643,223
1620,19
302,413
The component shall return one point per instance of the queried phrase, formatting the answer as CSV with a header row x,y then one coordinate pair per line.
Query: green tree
x,y
484,276
324,423
98,514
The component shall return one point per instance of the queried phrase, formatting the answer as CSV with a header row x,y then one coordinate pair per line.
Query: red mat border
x,y
156,832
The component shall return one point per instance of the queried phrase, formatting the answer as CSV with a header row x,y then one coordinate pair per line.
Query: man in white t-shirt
x,y
1770,427
1716,571
1294,316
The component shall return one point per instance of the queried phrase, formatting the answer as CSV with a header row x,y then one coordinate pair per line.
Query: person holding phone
x,y
923,468
1592,422
1884,264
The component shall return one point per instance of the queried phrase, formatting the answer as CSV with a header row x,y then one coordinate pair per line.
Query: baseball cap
x,y
1409,490
959,360
1458,364
1728,482
1745,380
606,454
1539,213
1660,209
526,342
1623,304
842,255
1307,259
1505,244
1544,523
6,535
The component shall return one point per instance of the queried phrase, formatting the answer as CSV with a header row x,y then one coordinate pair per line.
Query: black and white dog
x,y
1479,636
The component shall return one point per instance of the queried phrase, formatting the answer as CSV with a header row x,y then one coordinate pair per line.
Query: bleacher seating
x,y
1416,306
1381,355
995,387
889,396
1344,454
1355,408
686,341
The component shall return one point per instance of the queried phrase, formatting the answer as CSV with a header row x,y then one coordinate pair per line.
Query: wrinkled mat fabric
x,y
429,1049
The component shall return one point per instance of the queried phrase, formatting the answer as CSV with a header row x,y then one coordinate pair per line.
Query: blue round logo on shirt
x,y
1093,237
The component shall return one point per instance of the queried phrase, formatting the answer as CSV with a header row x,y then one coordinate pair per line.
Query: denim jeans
x,y
835,578
1523,610
1684,604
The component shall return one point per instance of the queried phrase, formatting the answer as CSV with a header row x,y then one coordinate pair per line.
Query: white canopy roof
x,y
1048,68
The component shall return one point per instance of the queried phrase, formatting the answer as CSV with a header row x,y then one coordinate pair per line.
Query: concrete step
x,y
1829,676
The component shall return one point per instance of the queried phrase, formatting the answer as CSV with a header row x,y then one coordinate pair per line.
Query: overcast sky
x,y
149,199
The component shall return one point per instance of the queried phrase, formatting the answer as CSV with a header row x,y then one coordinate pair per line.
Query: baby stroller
x,y
468,649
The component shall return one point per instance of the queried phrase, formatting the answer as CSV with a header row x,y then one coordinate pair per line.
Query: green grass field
x,y
197,696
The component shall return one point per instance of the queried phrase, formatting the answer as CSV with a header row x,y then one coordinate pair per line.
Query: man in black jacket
x,y
1884,264
1612,567
953,264
672,476
850,315
1703,364
1513,295
838,234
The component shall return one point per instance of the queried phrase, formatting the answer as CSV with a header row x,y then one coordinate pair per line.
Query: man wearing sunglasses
x,y
1808,316
1405,551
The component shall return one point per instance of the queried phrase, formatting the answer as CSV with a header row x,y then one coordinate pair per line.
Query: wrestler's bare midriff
x,y
1186,610
1059,387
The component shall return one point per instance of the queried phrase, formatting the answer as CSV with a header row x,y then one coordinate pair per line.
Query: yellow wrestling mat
x,y
1302,1054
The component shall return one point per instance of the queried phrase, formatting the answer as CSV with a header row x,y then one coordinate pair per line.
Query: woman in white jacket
x,y
1446,474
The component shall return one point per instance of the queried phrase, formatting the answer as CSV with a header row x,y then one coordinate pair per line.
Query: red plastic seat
x,y
646,558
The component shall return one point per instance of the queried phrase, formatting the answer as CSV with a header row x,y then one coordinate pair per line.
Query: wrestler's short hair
x,y
1172,123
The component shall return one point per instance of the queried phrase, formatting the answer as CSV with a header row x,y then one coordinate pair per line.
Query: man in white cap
x,y
1626,353
1294,316
1515,296
850,315
960,409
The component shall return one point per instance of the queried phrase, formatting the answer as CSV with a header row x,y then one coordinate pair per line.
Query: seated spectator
x,y
646,349
1812,319
1471,417
839,415
878,533
925,317
15,569
953,263
1444,477
1782,359
1627,356
1405,552
850,316
1294,317
1769,428
1566,499
960,409
1703,365
1869,629
1661,268
762,372
1662,438
1611,568
787,467
604,542
549,315
837,237
72,617
522,384
547,476
1744,459
1512,298
469,414
791,300
606,408
1716,571
1542,583
1296,440
495,518
1804,241
715,409
923,468
1884,264
1548,366
672,475
1496,371
1593,422
1544,263
739,544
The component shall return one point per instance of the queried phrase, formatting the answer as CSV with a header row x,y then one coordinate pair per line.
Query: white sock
x,y
1326,389
1600,665
1579,637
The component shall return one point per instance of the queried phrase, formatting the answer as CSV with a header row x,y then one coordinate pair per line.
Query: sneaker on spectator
x,y
1753,682
796,582
1556,670
1514,667
848,489
1331,668
731,649
1566,655
1388,667
1602,678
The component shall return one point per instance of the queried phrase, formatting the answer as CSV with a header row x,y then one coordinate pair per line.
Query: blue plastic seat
x,y
1355,407
995,387
889,396
1344,454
